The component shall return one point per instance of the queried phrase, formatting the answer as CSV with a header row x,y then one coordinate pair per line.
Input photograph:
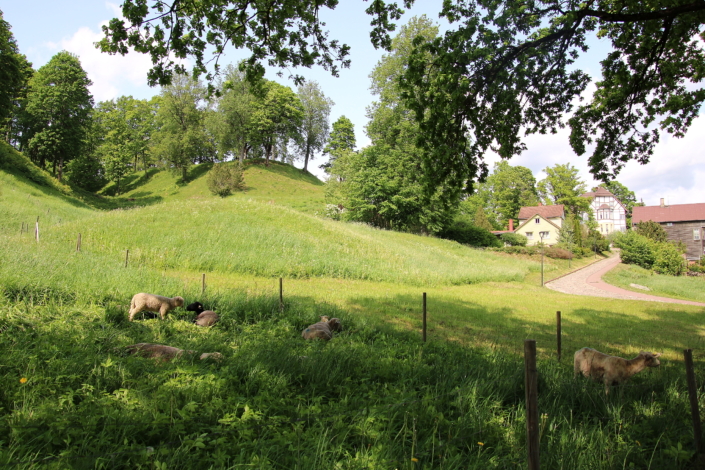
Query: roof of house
x,y
674,213
547,212
536,214
599,192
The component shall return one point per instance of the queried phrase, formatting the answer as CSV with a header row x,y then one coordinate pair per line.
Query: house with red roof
x,y
682,222
609,212
541,223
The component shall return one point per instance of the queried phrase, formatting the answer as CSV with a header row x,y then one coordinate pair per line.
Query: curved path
x,y
588,281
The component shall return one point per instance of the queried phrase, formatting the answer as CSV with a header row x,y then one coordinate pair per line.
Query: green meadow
x,y
374,397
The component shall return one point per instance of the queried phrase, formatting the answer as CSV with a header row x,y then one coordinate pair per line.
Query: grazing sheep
x,y
153,303
323,329
611,370
204,317
165,353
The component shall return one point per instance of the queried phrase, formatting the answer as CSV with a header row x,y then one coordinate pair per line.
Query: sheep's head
x,y
195,307
650,359
334,324
179,301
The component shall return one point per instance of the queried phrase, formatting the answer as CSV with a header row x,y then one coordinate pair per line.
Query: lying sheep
x,y
165,353
153,303
204,317
323,329
611,370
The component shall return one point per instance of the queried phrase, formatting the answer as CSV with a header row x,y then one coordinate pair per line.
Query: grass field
x,y
375,397
687,288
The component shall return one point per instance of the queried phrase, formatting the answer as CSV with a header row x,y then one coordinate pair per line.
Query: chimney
x,y
511,225
663,204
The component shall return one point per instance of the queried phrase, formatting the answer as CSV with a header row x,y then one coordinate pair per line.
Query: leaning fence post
x,y
558,334
693,394
424,317
127,256
532,408
281,295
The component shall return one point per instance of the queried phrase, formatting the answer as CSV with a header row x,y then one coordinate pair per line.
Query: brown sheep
x,y
323,329
165,353
153,303
611,370
204,317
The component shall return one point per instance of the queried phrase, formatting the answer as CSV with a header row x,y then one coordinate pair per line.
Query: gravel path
x,y
588,281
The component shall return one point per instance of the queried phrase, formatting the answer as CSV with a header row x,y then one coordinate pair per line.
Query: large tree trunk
x,y
308,151
61,168
267,153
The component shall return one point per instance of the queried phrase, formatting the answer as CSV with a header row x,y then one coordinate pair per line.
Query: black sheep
x,y
204,317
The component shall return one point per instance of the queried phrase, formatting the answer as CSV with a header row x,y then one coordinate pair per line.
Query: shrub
x,y
651,230
86,173
514,239
464,232
558,253
224,178
519,250
669,260
636,249
333,211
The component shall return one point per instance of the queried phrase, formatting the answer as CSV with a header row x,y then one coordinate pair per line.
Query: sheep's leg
x,y
163,311
133,311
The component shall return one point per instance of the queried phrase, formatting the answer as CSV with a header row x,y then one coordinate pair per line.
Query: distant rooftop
x,y
547,212
674,213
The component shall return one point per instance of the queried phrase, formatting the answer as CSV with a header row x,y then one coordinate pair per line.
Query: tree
x,y
342,139
562,185
651,230
276,117
509,70
315,126
114,149
480,219
58,109
231,122
509,188
15,72
286,33
181,138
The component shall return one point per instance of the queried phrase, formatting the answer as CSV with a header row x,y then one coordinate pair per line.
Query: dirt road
x,y
588,281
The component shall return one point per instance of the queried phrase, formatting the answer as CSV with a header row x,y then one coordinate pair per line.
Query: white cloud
x,y
112,75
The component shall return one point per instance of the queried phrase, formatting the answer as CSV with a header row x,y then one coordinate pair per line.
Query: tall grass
x,y
679,287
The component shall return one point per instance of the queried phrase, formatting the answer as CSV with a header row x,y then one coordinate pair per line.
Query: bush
x,y
669,260
519,250
334,211
464,232
636,249
224,178
558,253
651,230
86,173
514,239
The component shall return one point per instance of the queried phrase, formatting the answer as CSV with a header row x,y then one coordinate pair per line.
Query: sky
x,y
43,27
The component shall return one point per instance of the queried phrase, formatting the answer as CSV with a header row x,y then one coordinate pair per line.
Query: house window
x,y
669,224
529,235
696,234
537,220
544,235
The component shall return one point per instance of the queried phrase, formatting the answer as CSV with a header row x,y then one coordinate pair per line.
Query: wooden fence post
x,y
532,409
203,283
424,317
558,334
78,243
693,394
36,230
127,256
281,295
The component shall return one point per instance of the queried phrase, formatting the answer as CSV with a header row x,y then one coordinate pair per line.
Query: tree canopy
x,y
502,71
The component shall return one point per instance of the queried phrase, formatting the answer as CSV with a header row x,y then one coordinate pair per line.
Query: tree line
x,y
50,115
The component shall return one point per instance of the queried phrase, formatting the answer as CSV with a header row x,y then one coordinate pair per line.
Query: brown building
x,y
683,222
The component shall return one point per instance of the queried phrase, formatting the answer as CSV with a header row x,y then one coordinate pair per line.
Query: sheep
x,y
204,317
323,329
153,303
165,353
611,370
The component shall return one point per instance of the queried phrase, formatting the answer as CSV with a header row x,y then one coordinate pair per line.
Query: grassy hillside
x,y
278,184
374,397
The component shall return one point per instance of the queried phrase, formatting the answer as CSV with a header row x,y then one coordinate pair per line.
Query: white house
x,y
541,223
609,212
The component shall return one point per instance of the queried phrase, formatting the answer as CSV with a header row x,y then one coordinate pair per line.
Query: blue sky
x,y
42,28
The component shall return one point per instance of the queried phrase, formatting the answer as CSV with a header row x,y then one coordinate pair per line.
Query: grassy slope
x,y
687,288
376,363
